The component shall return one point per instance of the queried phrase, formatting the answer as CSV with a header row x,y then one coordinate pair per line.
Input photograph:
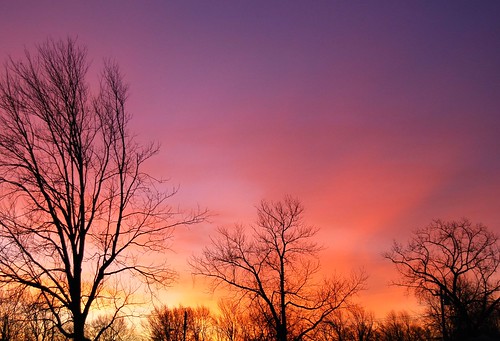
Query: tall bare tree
x,y
275,269
76,206
453,267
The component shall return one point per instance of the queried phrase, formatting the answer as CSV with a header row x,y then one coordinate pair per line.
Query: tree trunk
x,y
283,328
79,325
281,333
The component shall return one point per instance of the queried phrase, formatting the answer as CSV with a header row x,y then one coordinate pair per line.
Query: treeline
x,y
232,323
23,318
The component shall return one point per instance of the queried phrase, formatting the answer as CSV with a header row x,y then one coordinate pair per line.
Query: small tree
x,y
353,323
453,267
237,322
180,324
110,328
336,327
363,323
25,317
274,269
402,327
76,207
229,323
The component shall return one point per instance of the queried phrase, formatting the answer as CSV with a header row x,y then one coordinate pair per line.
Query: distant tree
x,y
237,322
275,270
336,327
180,324
402,327
353,323
453,267
167,324
76,207
11,316
110,328
363,323
228,322
201,324
25,317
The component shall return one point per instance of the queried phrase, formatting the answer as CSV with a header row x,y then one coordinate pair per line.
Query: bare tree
x,y
76,206
11,315
275,269
237,322
453,267
363,323
180,324
228,322
336,327
25,317
110,328
402,327
351,324
167,324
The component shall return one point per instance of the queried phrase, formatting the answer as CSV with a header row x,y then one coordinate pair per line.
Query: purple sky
x,y
379,115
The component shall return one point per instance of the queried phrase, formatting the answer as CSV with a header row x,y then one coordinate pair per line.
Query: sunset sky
x,y
378,115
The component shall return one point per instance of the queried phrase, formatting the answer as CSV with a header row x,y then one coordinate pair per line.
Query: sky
x,y
380,116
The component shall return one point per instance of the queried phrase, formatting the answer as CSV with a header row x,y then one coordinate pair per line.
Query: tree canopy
x,y
453,267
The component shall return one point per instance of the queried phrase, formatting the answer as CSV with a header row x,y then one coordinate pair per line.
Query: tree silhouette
x,y
76,207
402,327
110,328
180,324
25,317
353,323
275,270
453,266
